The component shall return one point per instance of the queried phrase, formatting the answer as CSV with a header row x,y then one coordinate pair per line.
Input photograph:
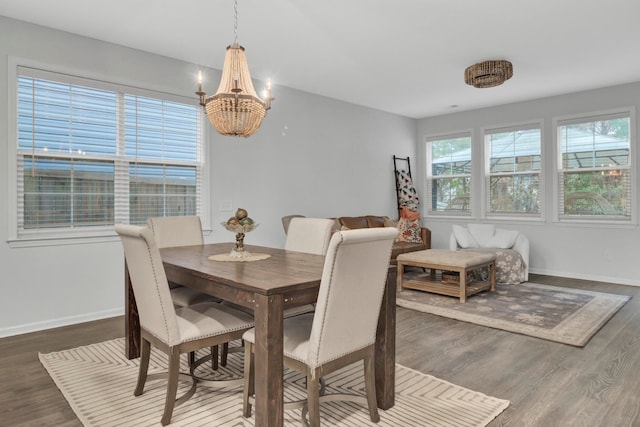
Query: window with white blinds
x,y
91,153
449,166
513,180
594,167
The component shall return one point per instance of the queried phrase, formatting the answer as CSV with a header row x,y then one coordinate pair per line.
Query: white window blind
x,y
92,153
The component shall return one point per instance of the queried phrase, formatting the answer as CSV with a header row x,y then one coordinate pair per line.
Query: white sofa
x,y
511,248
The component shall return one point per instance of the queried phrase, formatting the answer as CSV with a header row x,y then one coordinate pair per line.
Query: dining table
x,y
267,286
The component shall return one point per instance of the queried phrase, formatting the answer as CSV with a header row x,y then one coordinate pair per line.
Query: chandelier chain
x,y
235,22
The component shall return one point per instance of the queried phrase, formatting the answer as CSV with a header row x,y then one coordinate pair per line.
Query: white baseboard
x,y
596,278
56,323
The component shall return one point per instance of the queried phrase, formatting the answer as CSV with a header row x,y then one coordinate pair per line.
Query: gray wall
x,y
313,156
599,252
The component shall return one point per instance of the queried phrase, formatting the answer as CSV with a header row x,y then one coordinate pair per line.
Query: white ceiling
x,y
403,56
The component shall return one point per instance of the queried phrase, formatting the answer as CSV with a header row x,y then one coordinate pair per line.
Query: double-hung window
x,y
594,167
90,154
448,185
513,181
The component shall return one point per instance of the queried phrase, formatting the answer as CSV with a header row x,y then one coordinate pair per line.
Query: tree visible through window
x,y
90,156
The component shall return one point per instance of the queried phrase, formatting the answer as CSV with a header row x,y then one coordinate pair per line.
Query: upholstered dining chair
x,y
287,219
172,330
310,235
172,231
336,335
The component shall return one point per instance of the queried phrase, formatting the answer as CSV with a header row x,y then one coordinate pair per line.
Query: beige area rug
x,y
98,382
565,315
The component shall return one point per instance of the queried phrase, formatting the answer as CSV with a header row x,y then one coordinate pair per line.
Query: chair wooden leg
x,y
249,380
313,398
172,385
192,357
370,387
214,357
223,355
145,354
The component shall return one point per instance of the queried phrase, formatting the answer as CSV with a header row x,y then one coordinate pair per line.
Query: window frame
x,y
51,236
588,117
486,132
428,174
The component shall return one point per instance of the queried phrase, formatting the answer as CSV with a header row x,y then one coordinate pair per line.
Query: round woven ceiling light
x,y
488,73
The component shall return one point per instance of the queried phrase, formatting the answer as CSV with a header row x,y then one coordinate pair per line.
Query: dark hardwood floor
x,y
548,384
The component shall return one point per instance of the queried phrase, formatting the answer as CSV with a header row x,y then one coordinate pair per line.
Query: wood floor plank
x,y
549,384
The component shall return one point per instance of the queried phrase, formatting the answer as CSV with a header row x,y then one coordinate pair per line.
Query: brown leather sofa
x,y
368,221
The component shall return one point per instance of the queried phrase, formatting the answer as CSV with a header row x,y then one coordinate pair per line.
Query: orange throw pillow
x,y
407,213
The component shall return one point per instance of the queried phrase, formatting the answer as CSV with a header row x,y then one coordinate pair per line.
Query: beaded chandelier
x,y
235,109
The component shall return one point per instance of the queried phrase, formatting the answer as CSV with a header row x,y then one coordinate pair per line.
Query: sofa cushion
x,y
464,237
482,233
375,221
389,222
503,239
353,222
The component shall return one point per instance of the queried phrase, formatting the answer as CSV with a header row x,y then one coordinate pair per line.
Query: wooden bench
x,y
460,262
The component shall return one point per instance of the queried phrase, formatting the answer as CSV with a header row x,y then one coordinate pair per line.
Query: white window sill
x,y
41,238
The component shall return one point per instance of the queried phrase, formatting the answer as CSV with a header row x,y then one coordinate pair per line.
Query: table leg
x,y
131,319
463,285
269,364
492,275
385,357
400,268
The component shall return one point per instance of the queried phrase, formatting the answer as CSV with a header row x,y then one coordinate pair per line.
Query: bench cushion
x,y
458,259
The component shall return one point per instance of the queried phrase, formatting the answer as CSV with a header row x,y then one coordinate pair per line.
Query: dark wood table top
x,y
283,272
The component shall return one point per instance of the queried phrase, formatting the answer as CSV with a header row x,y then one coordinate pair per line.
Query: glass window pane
x,y
62,118
65,193
158,190
451,156
515,151
93,193
451,195
514,193
157,129
47,193
595,144
596,193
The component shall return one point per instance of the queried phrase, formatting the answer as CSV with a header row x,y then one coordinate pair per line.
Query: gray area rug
x,y
98,382
565,315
